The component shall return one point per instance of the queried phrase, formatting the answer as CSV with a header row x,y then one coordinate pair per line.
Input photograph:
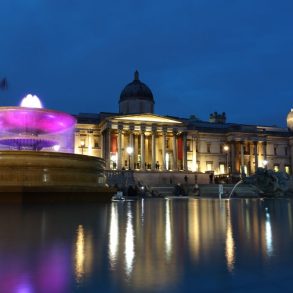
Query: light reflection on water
x,y
129,243
230,254
150,245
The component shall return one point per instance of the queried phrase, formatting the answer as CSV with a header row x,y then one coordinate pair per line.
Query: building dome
x,y
136,90
136,97
290,120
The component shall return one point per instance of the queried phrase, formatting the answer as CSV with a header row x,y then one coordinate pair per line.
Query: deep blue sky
x,y
197,56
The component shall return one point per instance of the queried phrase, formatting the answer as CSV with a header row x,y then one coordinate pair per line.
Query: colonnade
x,y
155,148
247,155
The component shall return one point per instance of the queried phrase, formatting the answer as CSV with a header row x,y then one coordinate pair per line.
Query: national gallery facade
x,y
137,139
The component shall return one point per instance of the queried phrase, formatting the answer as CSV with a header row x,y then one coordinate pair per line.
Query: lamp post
x,y
82,146
226,149
129,151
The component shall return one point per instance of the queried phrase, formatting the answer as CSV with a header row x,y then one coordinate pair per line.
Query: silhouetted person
x,y
211,177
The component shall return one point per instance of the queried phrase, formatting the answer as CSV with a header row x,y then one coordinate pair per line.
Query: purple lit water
x,y
151,245
36,129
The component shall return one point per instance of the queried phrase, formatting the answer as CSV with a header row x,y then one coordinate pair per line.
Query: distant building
x,y
137,139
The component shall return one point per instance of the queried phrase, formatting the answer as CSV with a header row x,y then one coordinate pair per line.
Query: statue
x,y
269,182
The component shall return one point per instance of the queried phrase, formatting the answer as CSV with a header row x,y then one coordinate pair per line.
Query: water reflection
x,y
79,254
168,232
230,246
113,236
154,245
129,244
269,239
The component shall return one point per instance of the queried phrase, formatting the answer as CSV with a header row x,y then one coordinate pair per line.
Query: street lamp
x,y
129,151
226,149
265,163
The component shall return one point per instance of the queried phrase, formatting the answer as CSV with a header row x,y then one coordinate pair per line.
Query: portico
x,y
158,143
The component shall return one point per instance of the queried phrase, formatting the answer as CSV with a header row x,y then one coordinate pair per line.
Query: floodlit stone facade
x,y
137,139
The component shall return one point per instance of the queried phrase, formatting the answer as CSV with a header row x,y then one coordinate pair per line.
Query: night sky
x,y
196,56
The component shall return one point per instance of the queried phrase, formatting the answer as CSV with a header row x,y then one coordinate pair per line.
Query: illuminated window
x,y
287,169
96,142
209,166
276,167
222,168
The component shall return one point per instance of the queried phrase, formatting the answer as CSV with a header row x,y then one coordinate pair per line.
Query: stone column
x,y
255,155
185,151
233,157
142,150
291,152
103,139
194,160
164,149
174,167
154,148
264,145
131,144
251,166
108,146
119,158
241,158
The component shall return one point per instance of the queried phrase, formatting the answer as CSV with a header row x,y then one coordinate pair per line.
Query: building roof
x,y
136,90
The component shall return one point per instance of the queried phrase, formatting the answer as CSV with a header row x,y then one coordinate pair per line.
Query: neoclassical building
x,y
137,139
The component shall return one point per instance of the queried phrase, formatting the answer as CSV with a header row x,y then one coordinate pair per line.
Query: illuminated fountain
x,y
37,160
30,127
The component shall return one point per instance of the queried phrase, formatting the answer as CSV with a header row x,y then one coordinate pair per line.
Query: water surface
x,y
151,245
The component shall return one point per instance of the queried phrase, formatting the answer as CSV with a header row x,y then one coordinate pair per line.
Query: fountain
x,y
30,127
234,187
268,183
37,159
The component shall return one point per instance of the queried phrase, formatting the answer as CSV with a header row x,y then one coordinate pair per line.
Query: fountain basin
x,y
29,176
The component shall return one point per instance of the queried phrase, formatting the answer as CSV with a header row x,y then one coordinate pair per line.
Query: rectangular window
x,y
221,149
286,151
246,150
276,167
222,168
96,143
275,150
189,144
208,148
209,166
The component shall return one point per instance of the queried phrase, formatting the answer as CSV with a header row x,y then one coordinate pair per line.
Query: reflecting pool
x,y
150,245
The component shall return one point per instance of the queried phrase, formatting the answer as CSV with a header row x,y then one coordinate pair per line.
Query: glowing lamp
x,y
129,150
226,148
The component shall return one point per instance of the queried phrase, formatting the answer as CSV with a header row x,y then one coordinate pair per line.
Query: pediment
x,y
146,118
